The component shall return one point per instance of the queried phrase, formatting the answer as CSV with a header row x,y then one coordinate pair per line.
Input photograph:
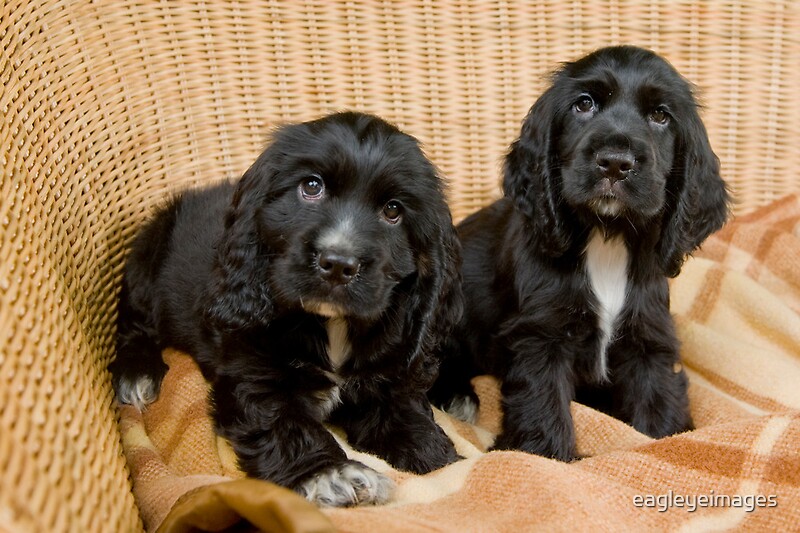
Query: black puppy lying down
x,y
317,288
610,184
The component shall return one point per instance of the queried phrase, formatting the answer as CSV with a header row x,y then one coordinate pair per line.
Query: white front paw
x,y
463,408
349,484
139,392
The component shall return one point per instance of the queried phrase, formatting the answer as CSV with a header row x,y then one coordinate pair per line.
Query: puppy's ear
x,y
239,295
531,177
446,286
435,303
697,197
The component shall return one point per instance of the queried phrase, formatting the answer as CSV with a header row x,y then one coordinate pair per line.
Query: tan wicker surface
x,y
107,105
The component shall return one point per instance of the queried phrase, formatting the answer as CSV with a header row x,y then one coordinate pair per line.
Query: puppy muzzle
x,y
337,268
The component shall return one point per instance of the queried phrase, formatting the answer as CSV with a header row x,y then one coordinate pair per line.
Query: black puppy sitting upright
x,y
315,289
610,185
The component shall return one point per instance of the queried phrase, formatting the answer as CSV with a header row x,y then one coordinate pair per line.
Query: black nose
x,y
615,164
337,268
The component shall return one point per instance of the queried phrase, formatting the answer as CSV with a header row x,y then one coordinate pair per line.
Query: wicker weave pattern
x,y
108,105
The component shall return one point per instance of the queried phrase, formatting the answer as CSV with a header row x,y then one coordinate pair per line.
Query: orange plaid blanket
x,y
737,306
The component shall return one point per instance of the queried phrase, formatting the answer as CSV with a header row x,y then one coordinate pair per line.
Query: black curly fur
x,y
230,274
531,314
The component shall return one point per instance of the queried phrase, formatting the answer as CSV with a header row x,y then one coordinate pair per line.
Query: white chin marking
x,y
606,263
139,393
609,207
463,408
349,484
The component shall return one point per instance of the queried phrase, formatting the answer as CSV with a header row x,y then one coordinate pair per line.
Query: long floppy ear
x,y
446,286
697,197
239,295
531,177
436,302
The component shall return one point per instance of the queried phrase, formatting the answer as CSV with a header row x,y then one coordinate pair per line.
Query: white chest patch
x,y
338,343
606,263
338,352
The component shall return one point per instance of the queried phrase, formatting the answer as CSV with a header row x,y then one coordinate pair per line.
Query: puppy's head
x,y
617,136
341,216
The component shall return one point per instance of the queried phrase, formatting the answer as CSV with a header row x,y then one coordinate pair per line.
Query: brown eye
x,y
392,212
658,116
312,188
585,104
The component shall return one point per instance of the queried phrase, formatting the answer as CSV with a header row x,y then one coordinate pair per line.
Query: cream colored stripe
x,y
464,447
437,484
372,461
770,434
729,518
700,381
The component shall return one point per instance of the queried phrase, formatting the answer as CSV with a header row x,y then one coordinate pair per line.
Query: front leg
x,y
537,390
278,436
397,426
650,385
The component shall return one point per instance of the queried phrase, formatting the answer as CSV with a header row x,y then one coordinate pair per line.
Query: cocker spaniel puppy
x,y
315,289
610,185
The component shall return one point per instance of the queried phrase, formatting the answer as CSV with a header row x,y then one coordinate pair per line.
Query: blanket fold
x,y
737,309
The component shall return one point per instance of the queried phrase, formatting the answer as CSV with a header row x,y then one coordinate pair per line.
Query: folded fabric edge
x,y
266,506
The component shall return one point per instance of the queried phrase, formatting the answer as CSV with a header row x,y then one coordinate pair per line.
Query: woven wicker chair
x,y
108,105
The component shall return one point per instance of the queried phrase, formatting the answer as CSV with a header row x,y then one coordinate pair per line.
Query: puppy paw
x,y
137,377
348,484
463,408
138,392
